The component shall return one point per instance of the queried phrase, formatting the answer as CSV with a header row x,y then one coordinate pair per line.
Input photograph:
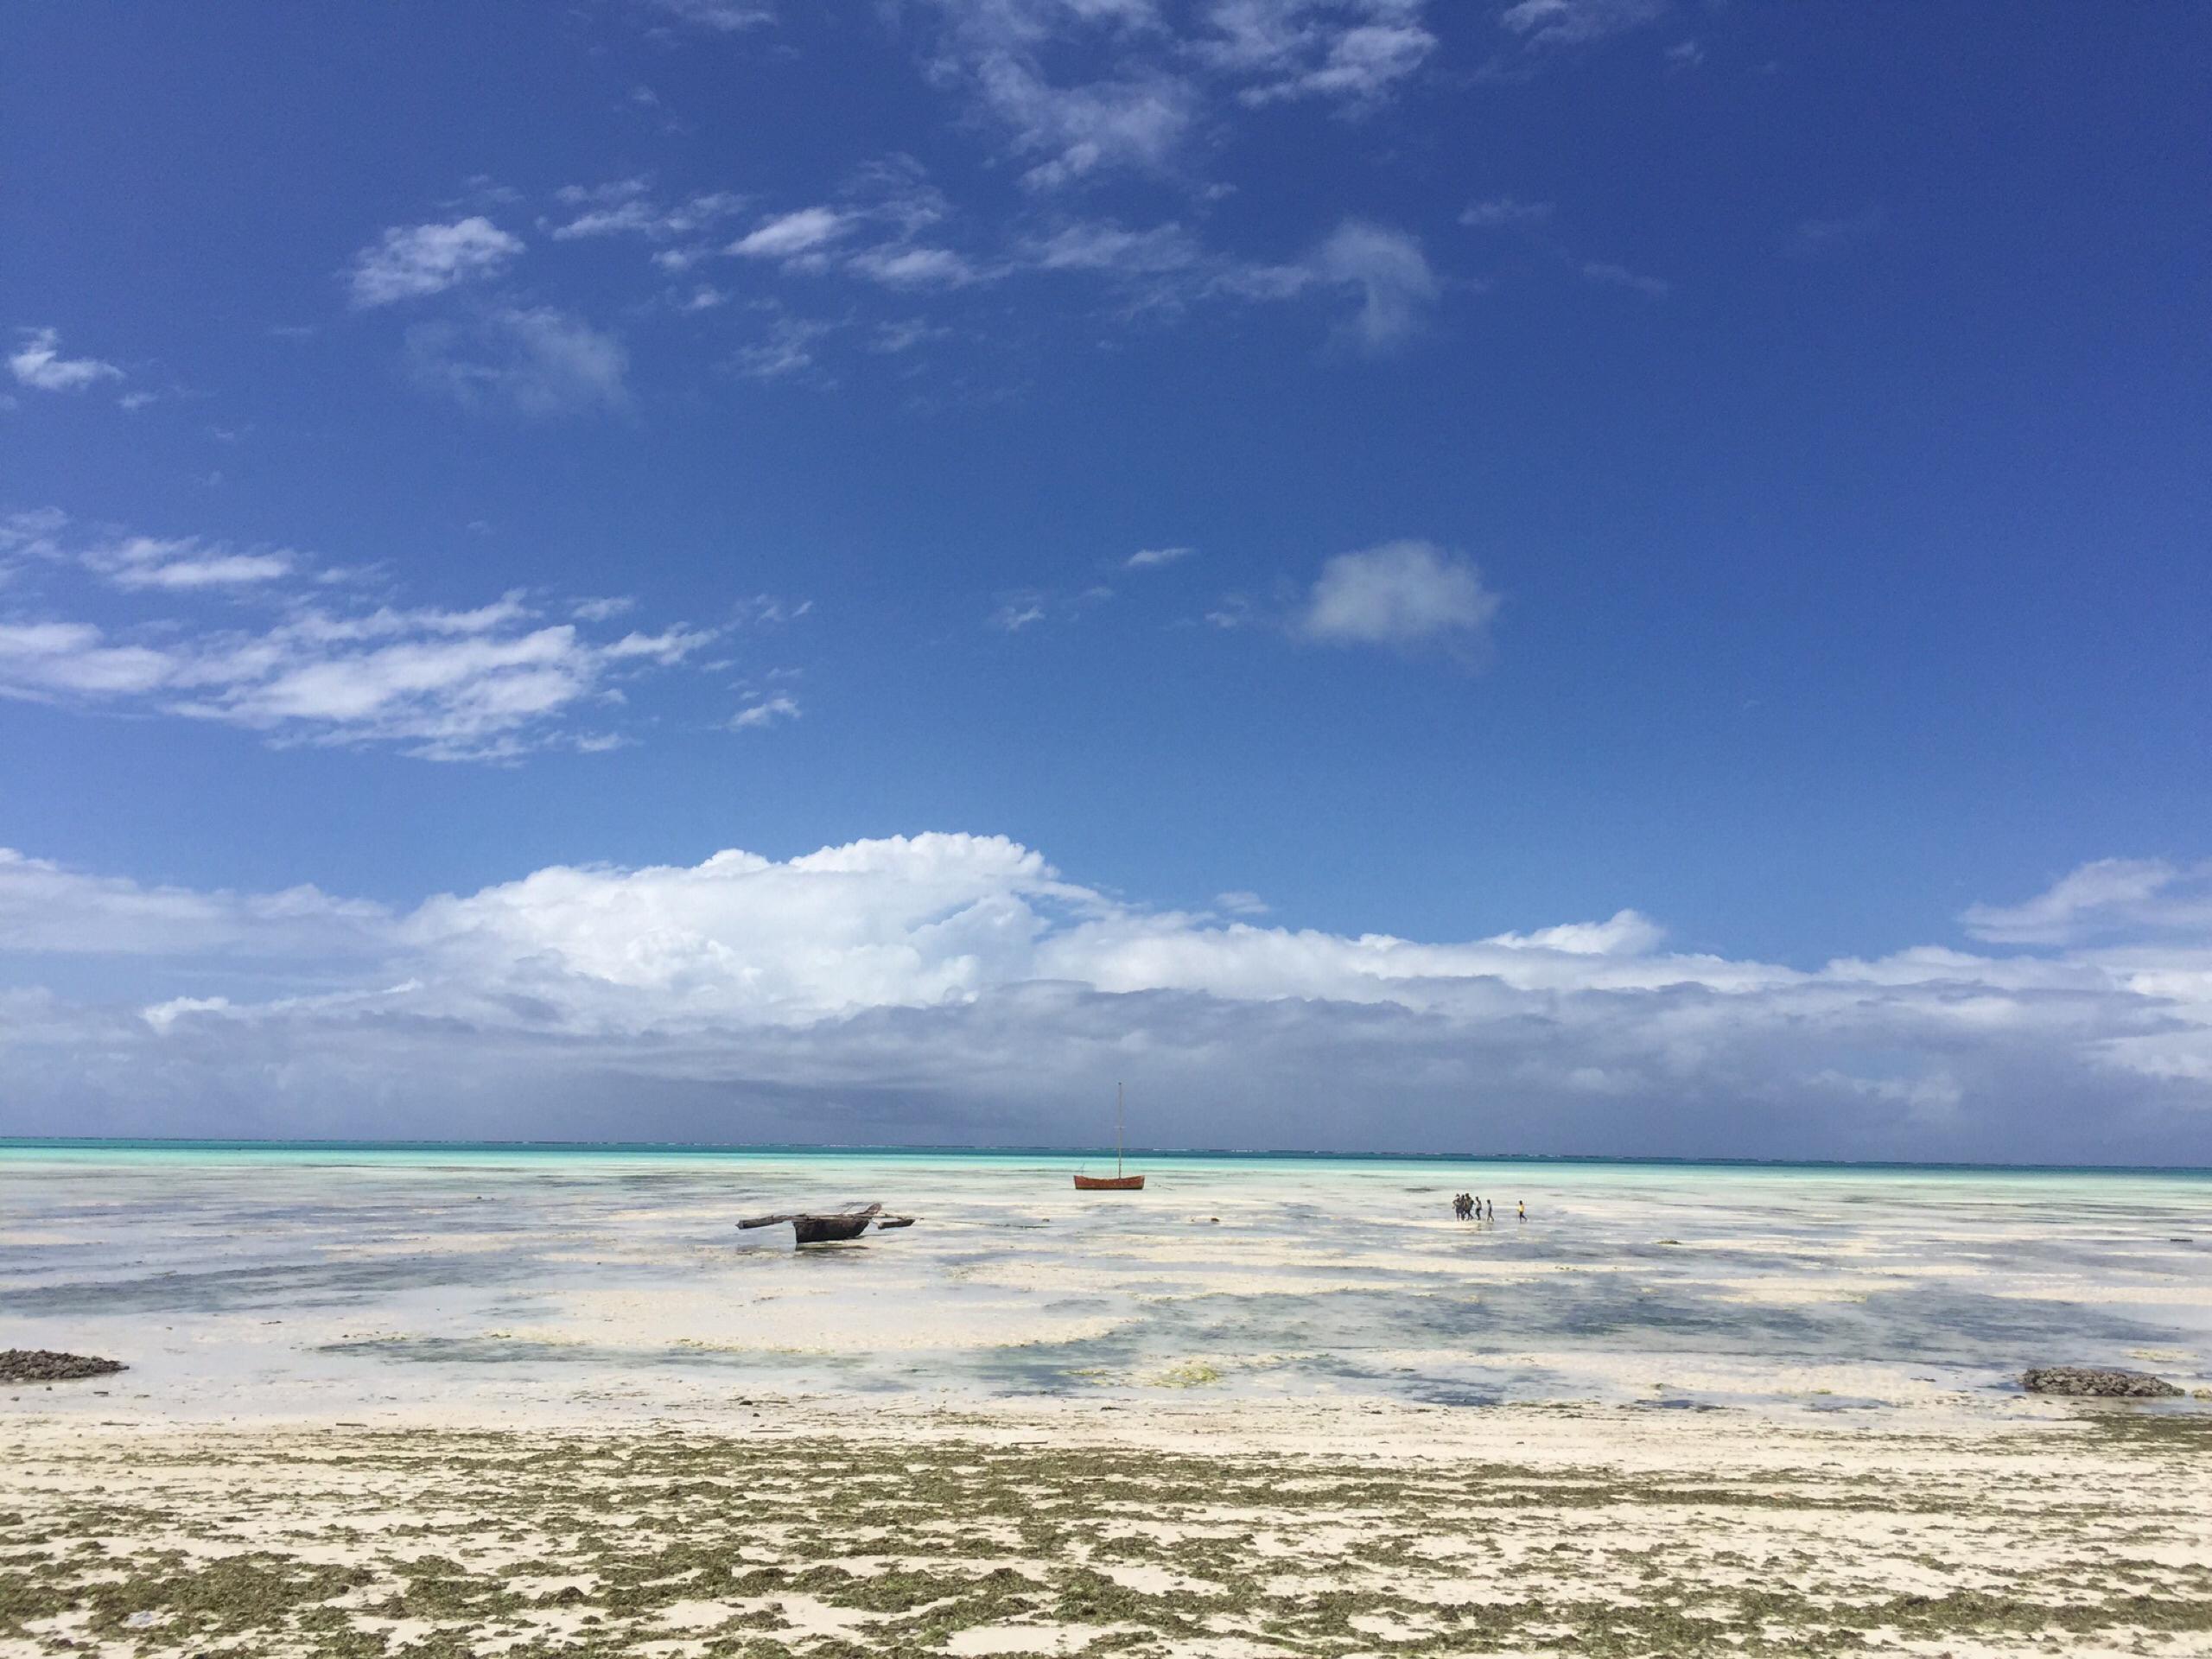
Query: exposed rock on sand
x,y
44,1366
2103,1384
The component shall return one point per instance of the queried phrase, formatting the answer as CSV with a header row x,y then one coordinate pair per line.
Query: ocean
x,y
502,1281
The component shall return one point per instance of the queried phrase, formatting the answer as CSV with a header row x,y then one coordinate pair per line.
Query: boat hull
x,y
828,1230
1109,1183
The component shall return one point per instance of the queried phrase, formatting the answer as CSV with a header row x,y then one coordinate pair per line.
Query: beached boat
x,y
833,1228
1118,1182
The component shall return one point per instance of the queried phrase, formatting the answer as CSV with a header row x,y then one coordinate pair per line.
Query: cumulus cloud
x,y
38,363
1404,594
957,986
1391,274
536,361
410,261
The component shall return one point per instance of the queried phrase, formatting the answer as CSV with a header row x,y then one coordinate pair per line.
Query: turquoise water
x,y
314,1277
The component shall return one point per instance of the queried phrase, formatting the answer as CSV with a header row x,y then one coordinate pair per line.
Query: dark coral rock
x,y
43,1365
2091,1382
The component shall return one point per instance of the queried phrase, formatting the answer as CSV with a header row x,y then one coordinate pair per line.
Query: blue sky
x,y
1308,471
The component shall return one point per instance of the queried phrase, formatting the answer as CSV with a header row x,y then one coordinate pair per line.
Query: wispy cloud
x,y
414,260
724,16
485,682
767,712
1546,24
787,236
627,208
2113,898
788,350
38,363
1018,611
1499,212
1817,236
1356,52
1613,276
1391,273
146,562
535,361
1149,558
1148,74
1403,594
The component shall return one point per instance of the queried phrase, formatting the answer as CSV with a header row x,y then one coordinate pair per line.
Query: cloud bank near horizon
x,y
955,989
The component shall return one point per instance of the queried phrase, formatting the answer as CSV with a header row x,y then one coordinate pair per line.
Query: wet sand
x,y
495,1404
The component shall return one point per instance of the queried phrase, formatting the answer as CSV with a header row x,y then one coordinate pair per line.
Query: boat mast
x,y
1117,1131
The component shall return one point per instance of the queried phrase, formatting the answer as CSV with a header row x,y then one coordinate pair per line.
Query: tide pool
x,y
503,1280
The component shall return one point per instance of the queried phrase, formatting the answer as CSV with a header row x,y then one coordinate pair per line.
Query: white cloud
x,y
1816,236
1577,22
626,207
1499,212
414,260
1090,87
148,561
1107,247
45,909
1392,274
1602,270
1018,612
2131,896
956,986
788,349
539,362
447,684
1401,594
727,16
788,235
38,363
1134,114
911,267
1146,558
767,712
1355,51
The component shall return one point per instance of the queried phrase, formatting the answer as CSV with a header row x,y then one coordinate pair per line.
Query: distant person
x,y
1524,1209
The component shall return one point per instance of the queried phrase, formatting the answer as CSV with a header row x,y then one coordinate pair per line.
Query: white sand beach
x,y
501,1402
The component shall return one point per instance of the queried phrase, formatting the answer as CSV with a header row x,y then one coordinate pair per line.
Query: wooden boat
x,y
834,1228
1118,1182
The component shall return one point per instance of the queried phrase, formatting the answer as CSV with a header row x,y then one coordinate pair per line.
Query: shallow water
x,y
320,1280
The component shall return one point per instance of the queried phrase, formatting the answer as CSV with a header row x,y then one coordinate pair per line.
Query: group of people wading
x,y
1467,1207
